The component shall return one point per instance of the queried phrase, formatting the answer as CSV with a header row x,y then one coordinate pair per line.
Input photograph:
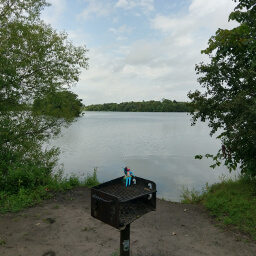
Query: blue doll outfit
x,y
128,176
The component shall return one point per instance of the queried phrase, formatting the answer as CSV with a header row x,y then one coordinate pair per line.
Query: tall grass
x,y
91,180
231,201
26,197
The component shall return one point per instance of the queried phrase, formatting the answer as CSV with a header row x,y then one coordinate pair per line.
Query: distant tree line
x,y
145,106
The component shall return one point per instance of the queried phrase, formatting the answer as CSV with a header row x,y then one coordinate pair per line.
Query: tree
x,y
58,104
229,81
35,61
145,106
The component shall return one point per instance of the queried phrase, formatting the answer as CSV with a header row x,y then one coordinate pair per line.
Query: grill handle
x,y
101,199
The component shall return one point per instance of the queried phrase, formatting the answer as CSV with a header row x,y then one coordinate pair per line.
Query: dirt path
x,y
63,226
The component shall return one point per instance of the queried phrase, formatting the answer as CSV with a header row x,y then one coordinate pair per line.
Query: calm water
x,y
157,146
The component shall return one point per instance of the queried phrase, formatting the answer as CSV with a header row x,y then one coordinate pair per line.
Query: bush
x,y
92,180
27,192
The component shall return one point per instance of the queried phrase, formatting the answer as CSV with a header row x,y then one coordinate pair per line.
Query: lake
x,y
157,146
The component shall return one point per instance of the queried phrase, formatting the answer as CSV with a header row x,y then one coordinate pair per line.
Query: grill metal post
x,y
125,241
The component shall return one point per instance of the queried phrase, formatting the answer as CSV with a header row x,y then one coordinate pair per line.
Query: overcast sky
x,y
139,49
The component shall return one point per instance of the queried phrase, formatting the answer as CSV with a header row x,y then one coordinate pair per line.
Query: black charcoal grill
x,y
117,205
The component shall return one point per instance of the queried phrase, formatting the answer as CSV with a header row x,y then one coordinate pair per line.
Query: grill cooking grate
x,y
124,193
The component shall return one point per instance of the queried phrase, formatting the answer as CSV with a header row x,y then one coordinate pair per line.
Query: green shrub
x,y
91,180
26,191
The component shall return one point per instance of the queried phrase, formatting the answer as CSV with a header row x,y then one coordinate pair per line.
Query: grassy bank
x,y
26,197
232,202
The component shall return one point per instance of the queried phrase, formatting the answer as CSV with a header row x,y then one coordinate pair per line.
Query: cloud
x,y
186,34
143,71
53,13
145,5
209,16
96,8
121,32
152,61
212,15
122,4
79,37
172,25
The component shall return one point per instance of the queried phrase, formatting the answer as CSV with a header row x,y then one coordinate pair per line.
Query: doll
x,y
128,174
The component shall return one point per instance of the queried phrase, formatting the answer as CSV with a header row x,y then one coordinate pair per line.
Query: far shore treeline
x,y
145,106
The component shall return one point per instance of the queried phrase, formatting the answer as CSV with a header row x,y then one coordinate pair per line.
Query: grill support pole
x,y
125,241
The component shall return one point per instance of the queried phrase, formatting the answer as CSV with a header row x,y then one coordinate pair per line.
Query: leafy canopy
x,y
34,58
58,104
36,61
229,81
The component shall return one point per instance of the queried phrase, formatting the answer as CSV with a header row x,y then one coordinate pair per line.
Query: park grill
x,y
117,205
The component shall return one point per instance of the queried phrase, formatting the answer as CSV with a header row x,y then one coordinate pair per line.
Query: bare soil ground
x,y
63,226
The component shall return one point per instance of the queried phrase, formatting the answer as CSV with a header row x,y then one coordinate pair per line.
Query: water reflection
x,y
157,146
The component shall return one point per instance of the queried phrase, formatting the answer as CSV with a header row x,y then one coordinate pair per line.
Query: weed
x,y
36,216
2,242
91,180
190,196
115,254
23,197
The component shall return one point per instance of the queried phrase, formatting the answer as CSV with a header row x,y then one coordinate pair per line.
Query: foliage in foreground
x,y
36,63
232,202
60,104
228,100
24,195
